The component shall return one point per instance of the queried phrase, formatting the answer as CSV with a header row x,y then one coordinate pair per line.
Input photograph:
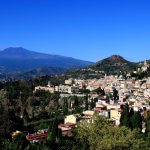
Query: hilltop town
x,y
109,93
44,109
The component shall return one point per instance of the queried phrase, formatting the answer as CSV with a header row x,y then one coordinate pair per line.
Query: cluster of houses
x,y
103,107
66,88
134,92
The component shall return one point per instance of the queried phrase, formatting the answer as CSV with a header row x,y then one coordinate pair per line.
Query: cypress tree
x,y
53,133
86,102
148,122
115,94
131,113
76,104
124,120
65,106
136,120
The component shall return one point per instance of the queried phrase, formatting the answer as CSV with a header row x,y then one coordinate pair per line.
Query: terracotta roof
x,y
36,136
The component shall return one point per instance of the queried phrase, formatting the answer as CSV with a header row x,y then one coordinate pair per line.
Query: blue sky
x,y
85,29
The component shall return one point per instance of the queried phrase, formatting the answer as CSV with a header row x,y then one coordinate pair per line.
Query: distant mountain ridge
x,y
22,53
14,59
21,63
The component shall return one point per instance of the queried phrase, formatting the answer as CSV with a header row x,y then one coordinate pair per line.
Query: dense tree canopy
x,y
100,135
